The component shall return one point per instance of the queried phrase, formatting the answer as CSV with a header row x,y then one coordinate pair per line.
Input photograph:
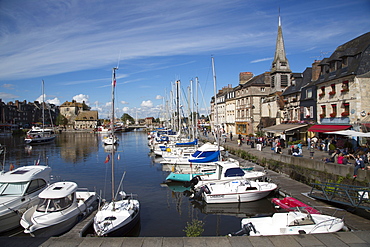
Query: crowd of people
x,y
340,151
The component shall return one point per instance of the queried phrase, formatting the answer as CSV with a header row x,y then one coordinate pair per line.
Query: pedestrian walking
x,y
312,149
231,136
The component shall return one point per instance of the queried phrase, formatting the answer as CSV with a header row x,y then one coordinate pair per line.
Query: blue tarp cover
x,y
195,142
211,158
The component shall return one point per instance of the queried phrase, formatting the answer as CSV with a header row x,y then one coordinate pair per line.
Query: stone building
x,y
87,120
343,87
70,110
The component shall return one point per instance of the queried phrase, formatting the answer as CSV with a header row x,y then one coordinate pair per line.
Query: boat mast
x,y
43,108
112,131
215,104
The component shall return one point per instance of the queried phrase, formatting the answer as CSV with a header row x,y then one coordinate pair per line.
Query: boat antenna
x,y
119,59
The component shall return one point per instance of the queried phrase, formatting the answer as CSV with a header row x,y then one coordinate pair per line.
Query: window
x,y
332,92
334,110
262,89
284,80
12,189
309,93
345,87
272,81
322,91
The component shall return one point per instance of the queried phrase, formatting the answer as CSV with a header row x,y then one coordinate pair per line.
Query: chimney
x,y
316,70
244,77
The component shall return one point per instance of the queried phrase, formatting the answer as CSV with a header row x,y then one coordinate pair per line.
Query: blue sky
x,y
73,45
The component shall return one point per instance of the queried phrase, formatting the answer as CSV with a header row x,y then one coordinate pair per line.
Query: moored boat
x,y
61,206
241,190
291,204
289,223
19,190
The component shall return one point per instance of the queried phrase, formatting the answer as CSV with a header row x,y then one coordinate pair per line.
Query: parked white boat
x,y
117,217
226,171
241,190
294,222
61,206
185,173
19,190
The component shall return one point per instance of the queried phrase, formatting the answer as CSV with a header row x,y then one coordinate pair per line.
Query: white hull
x,y
52,227
292,223
13,207
236,191
54,222
109,222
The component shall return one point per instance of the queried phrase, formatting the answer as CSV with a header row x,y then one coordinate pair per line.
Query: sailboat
x,y
39,135
111,139
118,217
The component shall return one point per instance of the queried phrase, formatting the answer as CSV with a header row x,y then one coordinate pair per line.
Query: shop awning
x,y
280,128
328,128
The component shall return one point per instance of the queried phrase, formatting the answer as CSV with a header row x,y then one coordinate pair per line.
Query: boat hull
x,y
118,222
292,223
236,197
49,229
40,140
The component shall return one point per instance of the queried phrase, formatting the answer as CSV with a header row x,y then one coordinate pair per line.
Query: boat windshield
x,y
54,205
13,189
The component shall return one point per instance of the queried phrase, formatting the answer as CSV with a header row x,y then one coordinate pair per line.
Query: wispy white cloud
x,y
262,60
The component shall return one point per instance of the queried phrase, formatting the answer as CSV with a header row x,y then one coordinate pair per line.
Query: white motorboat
x,y
241,190
293,222
118,217
19,190
61,206
185,173
226,171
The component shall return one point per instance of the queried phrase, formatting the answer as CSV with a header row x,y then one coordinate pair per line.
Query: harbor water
x,y
165,210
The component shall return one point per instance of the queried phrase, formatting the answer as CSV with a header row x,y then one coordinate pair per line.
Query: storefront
x,y
291,132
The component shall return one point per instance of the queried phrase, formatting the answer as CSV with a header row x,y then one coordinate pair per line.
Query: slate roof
x,y
301,80
87,116
358,52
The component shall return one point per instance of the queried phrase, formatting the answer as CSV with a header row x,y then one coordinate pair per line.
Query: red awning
x,y
328,128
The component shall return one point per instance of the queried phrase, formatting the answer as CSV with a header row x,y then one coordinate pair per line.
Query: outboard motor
x,y
194,181
246,229
198,195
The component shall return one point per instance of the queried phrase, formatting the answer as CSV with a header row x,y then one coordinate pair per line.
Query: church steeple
x,y
280,70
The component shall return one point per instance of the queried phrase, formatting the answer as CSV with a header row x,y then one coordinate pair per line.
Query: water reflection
x,y
80,157
77,147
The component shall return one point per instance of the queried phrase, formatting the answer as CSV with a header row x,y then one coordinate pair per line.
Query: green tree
x,y
61,120
126,117
194,229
